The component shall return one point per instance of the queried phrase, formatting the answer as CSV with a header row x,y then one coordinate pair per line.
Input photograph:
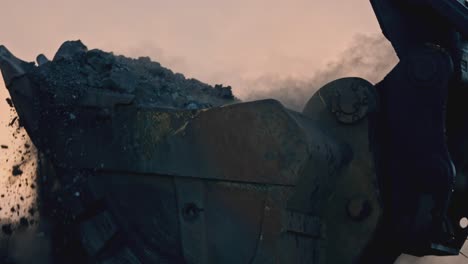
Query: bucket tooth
x,y
11,66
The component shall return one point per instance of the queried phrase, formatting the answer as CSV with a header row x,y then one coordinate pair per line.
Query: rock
x,y
16,171
224,92
9,102
12,122
99,60
42,59
7,229
70,49
144,59
122,81
32,211
24,222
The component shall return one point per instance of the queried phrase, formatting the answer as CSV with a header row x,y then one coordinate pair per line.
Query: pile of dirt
x,y
76,70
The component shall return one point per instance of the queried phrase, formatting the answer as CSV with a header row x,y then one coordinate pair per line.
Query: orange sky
x,y
206,39
215,41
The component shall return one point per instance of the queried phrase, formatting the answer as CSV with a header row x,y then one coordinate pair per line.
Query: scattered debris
x,y
4,146
9,102
16,171
24,222
7,229
12,122
32,211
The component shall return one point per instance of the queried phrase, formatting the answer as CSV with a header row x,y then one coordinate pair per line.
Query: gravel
x,y
76,70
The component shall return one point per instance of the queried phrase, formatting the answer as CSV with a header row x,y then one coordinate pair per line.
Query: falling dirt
x,y
18,193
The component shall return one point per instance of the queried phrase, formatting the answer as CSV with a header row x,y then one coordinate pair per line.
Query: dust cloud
x,y
369,56
291,80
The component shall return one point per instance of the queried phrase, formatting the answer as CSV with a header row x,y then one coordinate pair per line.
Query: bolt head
x,y
190,212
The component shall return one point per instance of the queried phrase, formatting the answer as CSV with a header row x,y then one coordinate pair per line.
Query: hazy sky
x,y
205,39
233,42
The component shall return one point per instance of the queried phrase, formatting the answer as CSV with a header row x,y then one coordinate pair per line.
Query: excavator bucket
x,y
146,166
